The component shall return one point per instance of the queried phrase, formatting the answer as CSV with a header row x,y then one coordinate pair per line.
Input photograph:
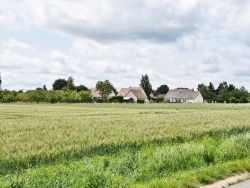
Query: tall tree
x,y
163,89
70,83
44,88
211,87
59,84
231,87
105,88
223,87
146,85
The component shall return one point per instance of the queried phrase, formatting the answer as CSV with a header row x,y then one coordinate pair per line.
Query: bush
x,y
243,100
116,98
232,100
160,98
99,100
140,101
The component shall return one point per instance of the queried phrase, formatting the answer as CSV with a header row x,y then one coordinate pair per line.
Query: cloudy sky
x,y
180,43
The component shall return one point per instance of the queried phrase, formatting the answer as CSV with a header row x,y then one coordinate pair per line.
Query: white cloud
x,y
179,43
14,44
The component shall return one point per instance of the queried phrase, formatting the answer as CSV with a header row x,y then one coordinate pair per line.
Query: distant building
x,y
97,95
136,93
183,95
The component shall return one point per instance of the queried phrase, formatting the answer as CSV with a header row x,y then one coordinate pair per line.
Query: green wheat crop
x,y
140,142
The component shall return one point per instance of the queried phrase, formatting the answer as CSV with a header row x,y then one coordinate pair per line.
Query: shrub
x,y
243,100
232,100
141,101
160,98
116,98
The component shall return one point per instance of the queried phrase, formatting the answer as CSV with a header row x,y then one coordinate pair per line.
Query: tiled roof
x,y
95,93
125,91
138,92
186,94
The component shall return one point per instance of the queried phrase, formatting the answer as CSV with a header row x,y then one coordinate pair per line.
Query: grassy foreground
x,y
122,145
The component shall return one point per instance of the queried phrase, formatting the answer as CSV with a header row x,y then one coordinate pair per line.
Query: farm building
x,y
183,95
133,92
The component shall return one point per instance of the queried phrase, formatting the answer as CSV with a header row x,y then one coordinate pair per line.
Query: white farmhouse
x,y
183,95
133,92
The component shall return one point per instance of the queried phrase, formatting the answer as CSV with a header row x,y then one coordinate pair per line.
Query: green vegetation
x,y
122,145
224,93
105,88
146,85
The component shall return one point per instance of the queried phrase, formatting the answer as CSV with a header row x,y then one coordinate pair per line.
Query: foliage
x,y
211,87
116,98
85,96
36,96
243,99
160,98
7,96
70,84
223,93
146,85
105,88
45,88
81,88
232,100
163,89
59,84
140,101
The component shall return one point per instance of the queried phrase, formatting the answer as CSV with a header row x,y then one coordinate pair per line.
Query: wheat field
x,y
114,135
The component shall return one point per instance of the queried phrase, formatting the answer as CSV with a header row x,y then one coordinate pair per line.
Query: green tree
x,y
105,88
243,99
223,87
85,96
163,89
160,98
44,88
146,85
232,100
59,84
81,88
231,87
8,96
53,96
36,96
211,87
206,93
70,83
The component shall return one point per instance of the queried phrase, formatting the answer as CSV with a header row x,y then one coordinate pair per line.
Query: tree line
x,y
66,91
224,93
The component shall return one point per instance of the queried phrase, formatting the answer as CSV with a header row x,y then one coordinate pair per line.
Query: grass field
x,y
122,145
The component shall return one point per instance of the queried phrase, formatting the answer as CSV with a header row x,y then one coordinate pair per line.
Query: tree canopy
x,y
224,92
104,88
163,89
146,85
59,84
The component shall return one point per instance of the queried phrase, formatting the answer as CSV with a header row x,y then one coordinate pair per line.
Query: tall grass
x,y
130,166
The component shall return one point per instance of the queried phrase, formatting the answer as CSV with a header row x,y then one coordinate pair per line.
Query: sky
x,y
181,43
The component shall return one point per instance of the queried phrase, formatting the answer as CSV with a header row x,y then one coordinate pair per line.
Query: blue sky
x,y
179,43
